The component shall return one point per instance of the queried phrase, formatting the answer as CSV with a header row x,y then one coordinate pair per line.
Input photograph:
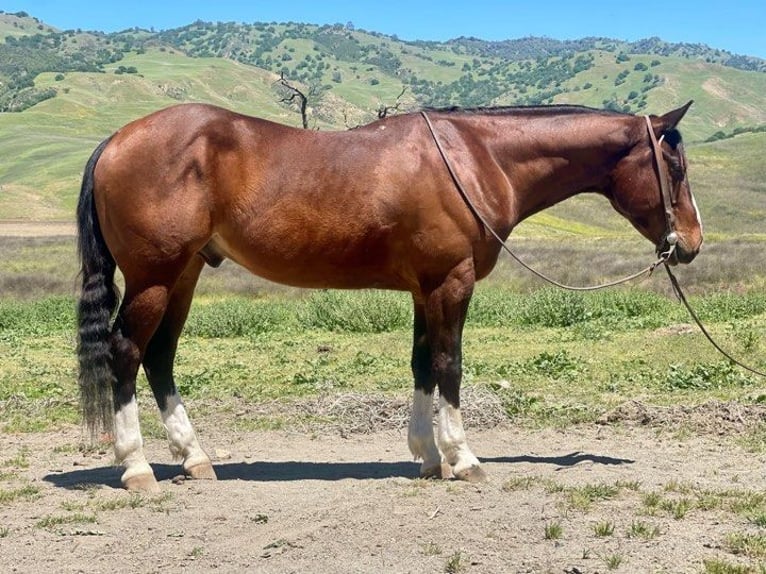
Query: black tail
x,y
98,300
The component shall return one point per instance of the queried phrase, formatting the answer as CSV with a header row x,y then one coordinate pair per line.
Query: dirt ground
x,y
290,502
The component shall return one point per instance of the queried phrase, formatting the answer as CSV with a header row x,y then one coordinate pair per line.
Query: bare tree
x,y
294,96
384,110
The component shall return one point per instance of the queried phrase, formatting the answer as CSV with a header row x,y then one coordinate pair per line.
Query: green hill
x,y
63,91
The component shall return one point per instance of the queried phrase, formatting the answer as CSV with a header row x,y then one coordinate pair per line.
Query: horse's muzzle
x,y
680,252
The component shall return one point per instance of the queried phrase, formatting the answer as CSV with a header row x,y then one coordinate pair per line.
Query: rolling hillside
x,y
63,91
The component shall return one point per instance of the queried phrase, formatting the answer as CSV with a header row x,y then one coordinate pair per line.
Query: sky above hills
x,y
736,26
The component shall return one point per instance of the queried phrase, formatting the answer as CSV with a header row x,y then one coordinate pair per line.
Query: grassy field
x,y
549,357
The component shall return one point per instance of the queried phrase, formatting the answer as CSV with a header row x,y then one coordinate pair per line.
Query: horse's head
x,y
650,188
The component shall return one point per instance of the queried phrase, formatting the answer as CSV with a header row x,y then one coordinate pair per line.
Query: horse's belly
x,y
335,266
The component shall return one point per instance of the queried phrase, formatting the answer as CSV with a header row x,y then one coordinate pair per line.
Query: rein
x,y
682,298
663,258
668,202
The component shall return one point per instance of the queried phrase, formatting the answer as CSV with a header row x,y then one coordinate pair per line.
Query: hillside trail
x,y
298,502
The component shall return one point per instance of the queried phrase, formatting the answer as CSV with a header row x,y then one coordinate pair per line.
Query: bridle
x,y
671,237
669,199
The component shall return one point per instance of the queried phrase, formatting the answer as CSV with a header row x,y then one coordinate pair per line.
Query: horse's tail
x,y
98,300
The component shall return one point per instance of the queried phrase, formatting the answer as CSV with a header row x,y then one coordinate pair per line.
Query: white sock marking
x,y
452,438
421,430
128,443
183,440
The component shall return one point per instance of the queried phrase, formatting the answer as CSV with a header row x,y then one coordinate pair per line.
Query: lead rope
x,y
682,298
663,258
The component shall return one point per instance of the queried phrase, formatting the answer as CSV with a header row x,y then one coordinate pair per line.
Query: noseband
x,y
668,199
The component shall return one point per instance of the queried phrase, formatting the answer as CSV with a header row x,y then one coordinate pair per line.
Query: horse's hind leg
x,y
158,364
420,434
138,317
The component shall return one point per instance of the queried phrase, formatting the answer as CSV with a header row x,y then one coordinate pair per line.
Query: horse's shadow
x,y
285,471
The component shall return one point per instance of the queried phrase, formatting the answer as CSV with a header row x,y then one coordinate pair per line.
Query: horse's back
x,y
307,208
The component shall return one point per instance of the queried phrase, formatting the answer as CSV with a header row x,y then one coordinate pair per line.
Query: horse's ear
x,y
669,121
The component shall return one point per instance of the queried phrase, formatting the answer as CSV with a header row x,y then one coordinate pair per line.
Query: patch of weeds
x,y
21,460
133,500
750,545
559,366
553,308
161,503
634,485
457,562
727,306
71,506
717,566
582,497
552,487
369,311
746,336
76,518
639,529
553,530
259,518
27,492
651,500
417,486
746,502
430,549
520,483
705,376
677,508
612,561
603,529
678,487
66,448
759,519
196,552
4,532
515,402
238,317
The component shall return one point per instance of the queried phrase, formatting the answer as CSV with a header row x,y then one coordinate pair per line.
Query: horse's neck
x,y
550,159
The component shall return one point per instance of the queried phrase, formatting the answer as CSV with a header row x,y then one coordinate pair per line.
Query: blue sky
x,y
735,25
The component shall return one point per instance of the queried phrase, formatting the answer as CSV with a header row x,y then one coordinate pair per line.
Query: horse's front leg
x,y
446,310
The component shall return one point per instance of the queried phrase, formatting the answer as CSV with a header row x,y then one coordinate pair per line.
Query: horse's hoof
x,y
472,474
201,471
441,471
141,483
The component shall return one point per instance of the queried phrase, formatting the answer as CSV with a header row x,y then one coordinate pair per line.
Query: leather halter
x,y
668,200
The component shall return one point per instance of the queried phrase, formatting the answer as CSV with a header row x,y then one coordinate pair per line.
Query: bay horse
x,y
372,207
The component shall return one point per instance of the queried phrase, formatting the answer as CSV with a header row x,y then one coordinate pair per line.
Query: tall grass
x,y
374,311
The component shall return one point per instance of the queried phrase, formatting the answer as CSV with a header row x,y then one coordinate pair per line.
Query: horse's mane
x,y
556,109
672,136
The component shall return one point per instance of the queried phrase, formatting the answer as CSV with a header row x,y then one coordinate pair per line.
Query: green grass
x,y
552,358
570,357
603,529
553,530
12,495
718,566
